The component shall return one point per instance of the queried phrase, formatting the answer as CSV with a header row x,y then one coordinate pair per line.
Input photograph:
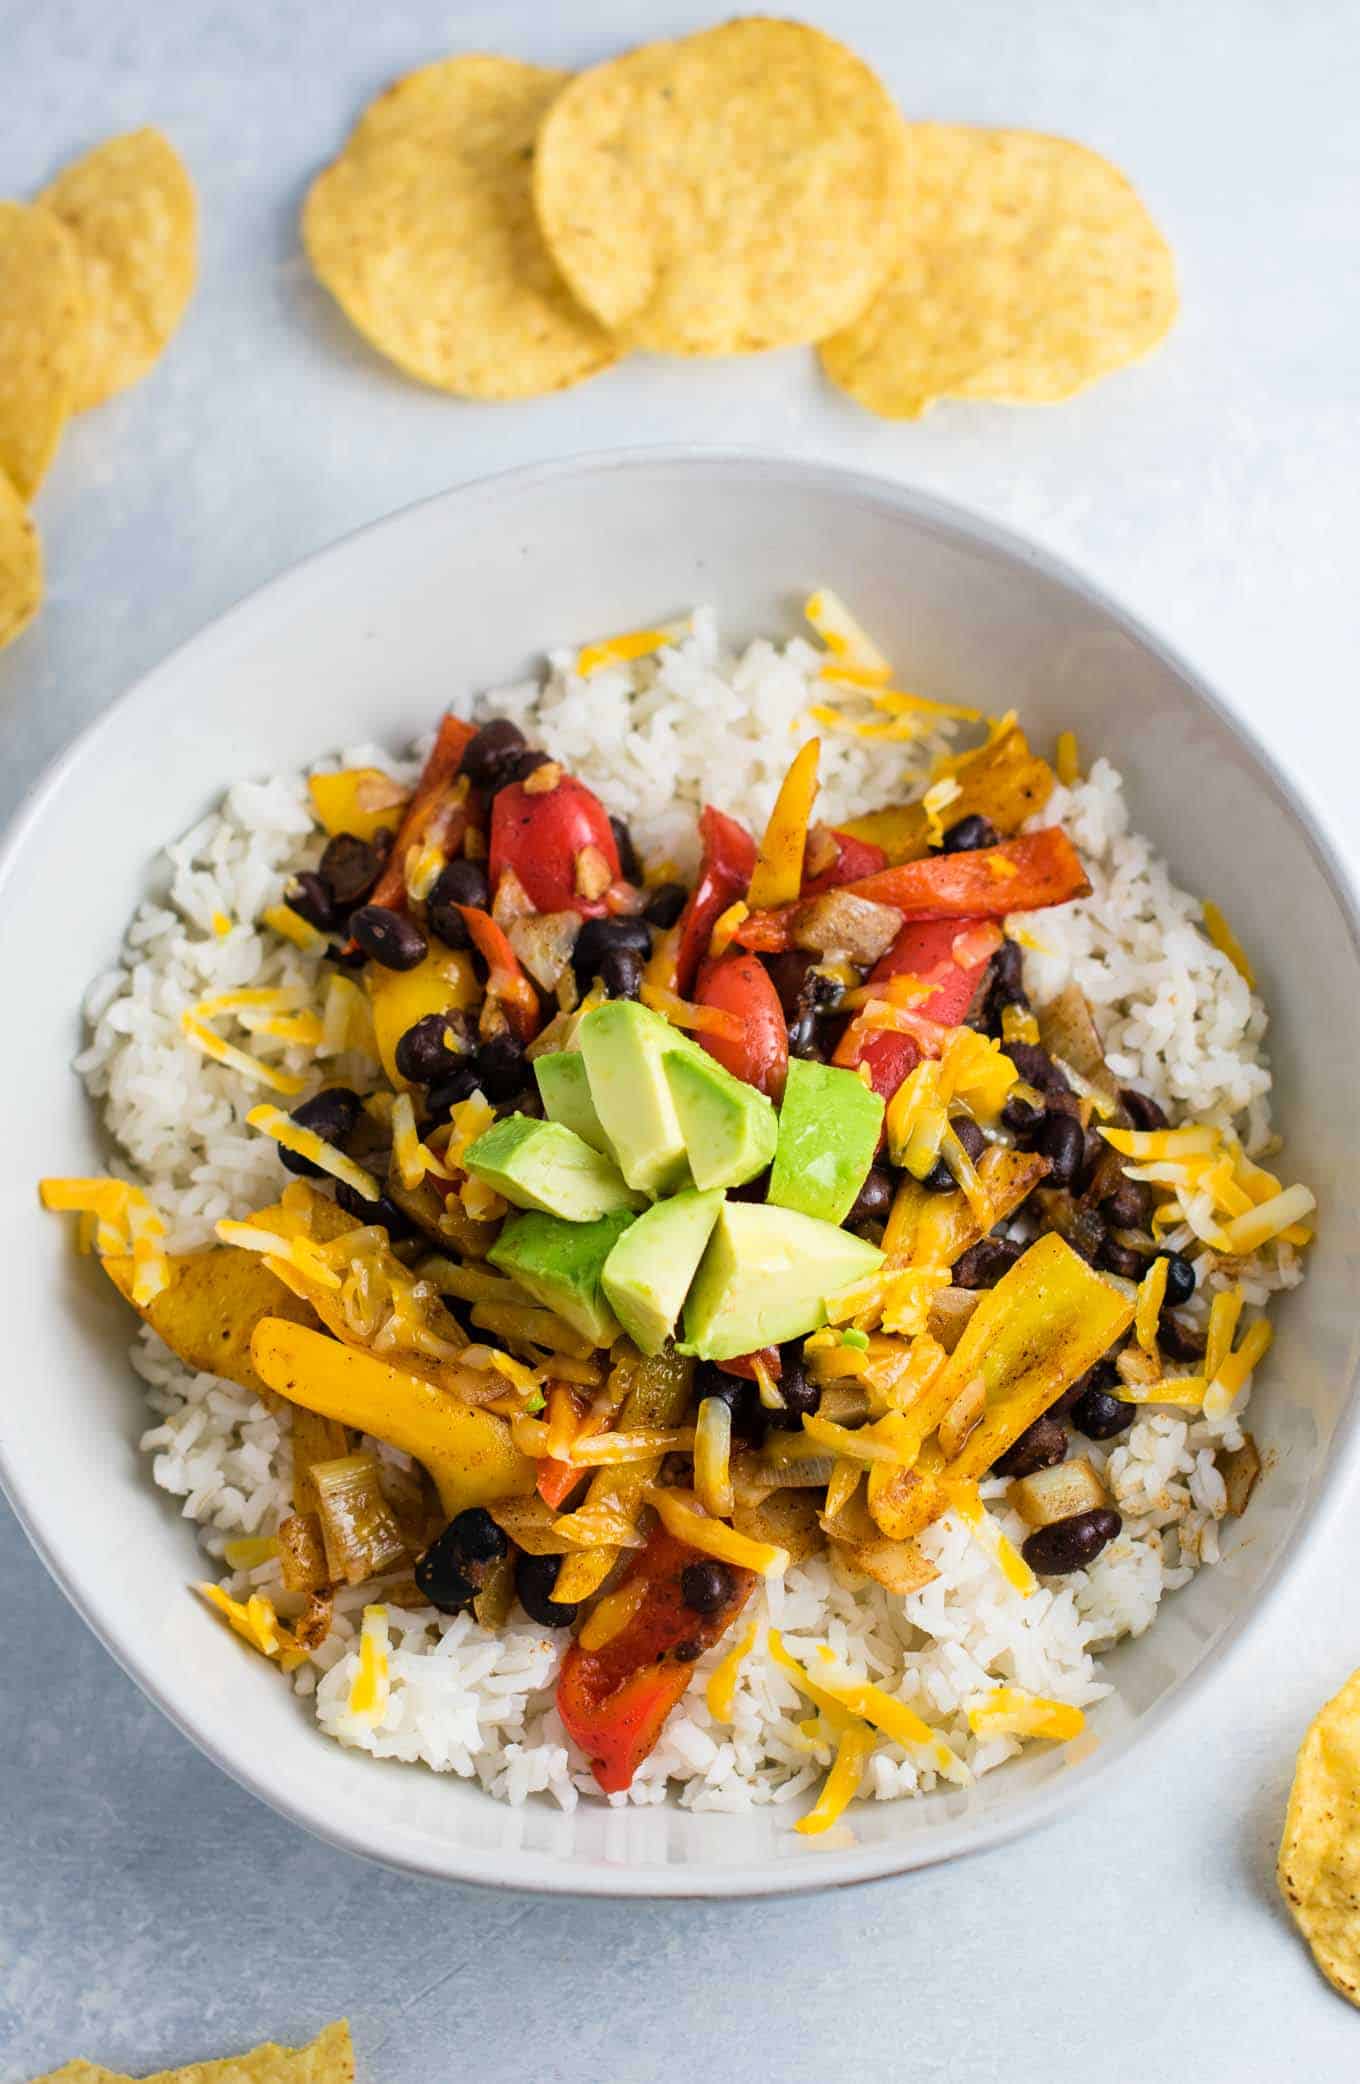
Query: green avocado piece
x,y
625,1047
729,1127
542,1165
560,1265
829,1126
565,1092
765,1277
647,1275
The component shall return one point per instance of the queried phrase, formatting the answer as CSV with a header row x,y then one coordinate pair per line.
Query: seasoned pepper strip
x,y
428,806
1002,781
1020,875
614,1700
506,981
729,859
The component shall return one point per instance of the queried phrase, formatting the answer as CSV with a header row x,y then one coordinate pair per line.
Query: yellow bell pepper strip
x,y
936,1229
213,1302
444,982
358,800
1002,781
1047,1321
468,1453
778,875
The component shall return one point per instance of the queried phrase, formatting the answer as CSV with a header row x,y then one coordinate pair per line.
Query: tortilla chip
x,y
424,232
212,1305
21,576
1319,1864
731,191
131,209
82,2072
329,2059
1029,268
43,340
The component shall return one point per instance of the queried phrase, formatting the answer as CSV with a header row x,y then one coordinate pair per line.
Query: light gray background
x,y
150,1912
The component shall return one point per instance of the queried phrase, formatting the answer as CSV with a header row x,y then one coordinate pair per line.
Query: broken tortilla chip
x,y
1028,268
1319,1863
21,574
329,2059
423,230
730,191
130,207
44,335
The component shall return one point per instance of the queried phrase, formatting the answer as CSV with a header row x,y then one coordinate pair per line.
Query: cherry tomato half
x,y
739,983
540,837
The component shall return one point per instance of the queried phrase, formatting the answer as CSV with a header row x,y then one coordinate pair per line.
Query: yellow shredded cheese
x,y
221,925
869,1703
990,1539
844,639
713,1457
721,1693
725,926
887,1440
1066,764
714,1537
642,1444
612,1615
256,1622
627,646
422,869
1226,941
845,1478
481,1201
1018,1025
1185,1391
1148,1309
272,1121
1224,1311
895,701
250,1551
117,1218
304,1030
1232,1372
1273,1218
937,800
1012,1712
371,1687
291,926
854,1747
203,1038
468,1120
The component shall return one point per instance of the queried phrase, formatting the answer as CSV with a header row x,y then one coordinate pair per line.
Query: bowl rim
x,y
538,1873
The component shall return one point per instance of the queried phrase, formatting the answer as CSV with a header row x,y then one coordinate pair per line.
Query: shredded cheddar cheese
x,y
725,926
1066,762
202,1038
627,646
1148,1310
272,1121
713,1457
1012,1712
612,1615
117,1219
221,925
714,1537
934,803
990,1539
854,1748
291,926
250,1551
870,1704
256,1622
371,1687
1226,941
722,1686
844,639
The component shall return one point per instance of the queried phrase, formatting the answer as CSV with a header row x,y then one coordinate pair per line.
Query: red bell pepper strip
x,y
614,1700
506,981
758,1050
553,1480
430,814
725,871
1019,875
854,858
540,836
925,949
744,1364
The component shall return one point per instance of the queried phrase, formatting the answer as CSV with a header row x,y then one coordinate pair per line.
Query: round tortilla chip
x,y
423,230
131,208
1319,1864
732,191
21,581
43,336
1028,268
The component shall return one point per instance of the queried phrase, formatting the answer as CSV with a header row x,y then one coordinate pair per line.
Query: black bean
x,y
706,1587
535,1577
388,938
665,904
599,938
349,868
982,1265
461,1083
968,834
331,1115
1037,1067
424,1055
310,898
344,957
1179,1340
969,1135
454,1567
1180,1279
621,973
1141,1108
1103,1375
500,1066
1041,1446
800,1393
738,1392
1005,981
939,1179
1063,1142
527,763
629,865
461,883
384,1211
1127,1206
1121,1259
875,1197
1023,1120
1071,1544
491,755
1100,1416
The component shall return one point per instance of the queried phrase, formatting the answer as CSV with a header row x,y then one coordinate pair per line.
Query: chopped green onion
x,y
858,1339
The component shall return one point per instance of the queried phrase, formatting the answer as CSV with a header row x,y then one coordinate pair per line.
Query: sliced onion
x,y
357,1524
839,924
543,942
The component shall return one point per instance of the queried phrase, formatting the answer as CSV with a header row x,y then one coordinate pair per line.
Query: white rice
x,y
656,739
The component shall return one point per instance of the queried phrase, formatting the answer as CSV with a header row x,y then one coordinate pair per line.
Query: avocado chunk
x,y
829,1126
544,1166
729,1127
648,1273
565,1092
625,1047
765,1277
560,1265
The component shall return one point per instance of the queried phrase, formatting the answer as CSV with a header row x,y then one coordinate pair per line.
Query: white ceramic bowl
x,y
372,639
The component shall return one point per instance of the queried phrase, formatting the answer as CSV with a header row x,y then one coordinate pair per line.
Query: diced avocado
x,y
560,1265
829,1126
565,1092
649,1271
625,1047
729,1127
542,1165
765,1277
